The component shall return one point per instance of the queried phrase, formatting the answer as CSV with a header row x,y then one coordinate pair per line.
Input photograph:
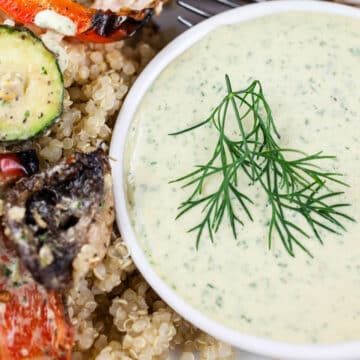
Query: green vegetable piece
x,y
31,85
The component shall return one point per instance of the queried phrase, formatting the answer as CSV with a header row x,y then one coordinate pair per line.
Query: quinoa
x,y
116,315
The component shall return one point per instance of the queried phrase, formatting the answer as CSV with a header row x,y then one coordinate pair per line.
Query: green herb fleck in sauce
x,y
292,186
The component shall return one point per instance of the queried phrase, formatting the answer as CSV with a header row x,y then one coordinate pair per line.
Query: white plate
x,y
239,355
175,48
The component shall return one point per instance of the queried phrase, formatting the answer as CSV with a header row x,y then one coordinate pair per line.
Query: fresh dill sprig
x,y
291,186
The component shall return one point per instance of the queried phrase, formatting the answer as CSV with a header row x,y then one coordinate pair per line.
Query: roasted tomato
x,y
16,165
79,21
50,216
33,321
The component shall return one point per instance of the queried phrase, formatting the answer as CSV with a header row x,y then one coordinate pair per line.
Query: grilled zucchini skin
x,y
31,85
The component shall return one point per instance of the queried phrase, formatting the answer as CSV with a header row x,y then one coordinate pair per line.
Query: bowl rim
x,y
253,344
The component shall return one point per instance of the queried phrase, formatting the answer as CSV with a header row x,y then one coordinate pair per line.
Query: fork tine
x,y
194,9
185,22
187,5
228,3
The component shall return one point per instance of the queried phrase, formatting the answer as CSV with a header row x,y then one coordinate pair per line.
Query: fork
x,y
192,6
201,11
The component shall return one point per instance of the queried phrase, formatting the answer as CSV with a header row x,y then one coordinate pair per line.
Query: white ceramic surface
x,y
341,351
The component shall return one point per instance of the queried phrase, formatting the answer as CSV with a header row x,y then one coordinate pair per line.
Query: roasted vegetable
x,y
50,216
72,19
33,322
16,165
31,85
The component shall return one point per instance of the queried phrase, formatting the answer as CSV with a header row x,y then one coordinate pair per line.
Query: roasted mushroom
x,y
60,214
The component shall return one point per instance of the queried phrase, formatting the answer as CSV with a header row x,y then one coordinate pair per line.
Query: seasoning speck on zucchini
x,y
25,83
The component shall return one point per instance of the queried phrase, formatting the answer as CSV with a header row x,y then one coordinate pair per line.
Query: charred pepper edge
x,y
51,278
121,24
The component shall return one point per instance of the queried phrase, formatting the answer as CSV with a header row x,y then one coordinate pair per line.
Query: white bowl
x,y
340,351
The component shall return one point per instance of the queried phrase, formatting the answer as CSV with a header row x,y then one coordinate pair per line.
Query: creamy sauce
x,y
309,66
50,19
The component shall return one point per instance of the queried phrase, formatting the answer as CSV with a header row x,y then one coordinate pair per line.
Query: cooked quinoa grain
x,y
116,315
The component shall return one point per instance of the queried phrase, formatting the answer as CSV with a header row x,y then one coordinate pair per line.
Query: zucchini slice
x,y
31,85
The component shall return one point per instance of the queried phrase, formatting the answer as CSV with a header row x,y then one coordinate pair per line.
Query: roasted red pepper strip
x,y
10,166
15,165
33,322
32,325
92,25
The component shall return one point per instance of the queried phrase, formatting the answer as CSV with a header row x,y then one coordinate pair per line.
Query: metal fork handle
x,y
194,9
200,12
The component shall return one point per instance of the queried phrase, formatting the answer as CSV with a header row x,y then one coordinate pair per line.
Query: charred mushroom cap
x,y
49,215
28,159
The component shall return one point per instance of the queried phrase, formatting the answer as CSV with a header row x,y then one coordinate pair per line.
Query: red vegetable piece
x,y
10,166
16,165
92,25
34,324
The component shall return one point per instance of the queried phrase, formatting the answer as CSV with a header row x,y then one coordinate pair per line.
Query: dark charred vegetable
x,y
51,215
107,26
83,23
16,165
34,323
